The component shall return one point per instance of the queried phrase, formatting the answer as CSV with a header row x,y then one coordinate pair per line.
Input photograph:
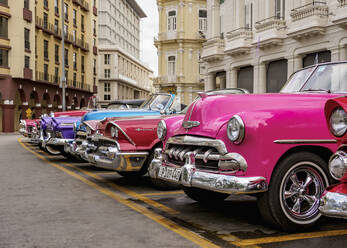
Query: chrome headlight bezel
x,y
338,122
236,129
161,130
338,165
114,132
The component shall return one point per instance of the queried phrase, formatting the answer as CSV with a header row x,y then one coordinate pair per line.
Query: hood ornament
x,y
190,124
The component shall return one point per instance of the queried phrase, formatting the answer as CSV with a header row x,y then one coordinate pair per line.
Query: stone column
x,y
8,117
294,64
181,16
38,110
222,82
344,53
335,54
259,84
215,19
231,78
210,83
190,98
180,60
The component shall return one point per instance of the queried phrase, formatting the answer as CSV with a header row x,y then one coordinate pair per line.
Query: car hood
x,y
99,115
71,113
65,122
213,112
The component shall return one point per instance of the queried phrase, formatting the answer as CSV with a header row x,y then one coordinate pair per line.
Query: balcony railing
x,y
312,9
273,22
82,3
342,3
245,33
47,27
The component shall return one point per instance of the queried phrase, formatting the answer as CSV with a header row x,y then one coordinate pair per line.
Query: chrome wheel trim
x,y
300,191
52,151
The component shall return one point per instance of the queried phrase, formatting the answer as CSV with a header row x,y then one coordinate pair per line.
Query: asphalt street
x,y
48,201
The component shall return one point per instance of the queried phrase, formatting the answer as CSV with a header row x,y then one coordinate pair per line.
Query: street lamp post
x,y
63,79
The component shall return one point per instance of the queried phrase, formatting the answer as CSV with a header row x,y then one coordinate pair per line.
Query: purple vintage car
x,y
57,131
275,146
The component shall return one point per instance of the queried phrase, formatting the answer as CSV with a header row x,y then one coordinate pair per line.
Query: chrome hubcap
x,y
301,192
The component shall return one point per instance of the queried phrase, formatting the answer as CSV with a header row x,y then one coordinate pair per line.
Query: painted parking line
x,y
290,237
176,192
189,235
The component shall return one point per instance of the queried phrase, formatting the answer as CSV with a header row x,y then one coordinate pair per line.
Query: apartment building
x,y
121,73
182,31
258,44
31,61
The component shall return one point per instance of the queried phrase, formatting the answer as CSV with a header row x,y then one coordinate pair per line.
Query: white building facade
x,y
121,73
258,44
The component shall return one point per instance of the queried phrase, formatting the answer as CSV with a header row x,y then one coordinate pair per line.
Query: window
x,y
45,49
26,61
171,20
45,72
82,63
203,20
3,27
94,27
27,39
279,8
56,7
107,87
171,65
56,53
66,75
74,60
3,58
94,67
74,36
66,31
66,57
74,17
56,75
74,79
107,97
82,23
26,4
45,4
56,26
107,73
66,11
45,21
248,15
82,81
107,59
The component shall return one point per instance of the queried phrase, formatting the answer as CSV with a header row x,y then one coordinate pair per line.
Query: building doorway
x,y
276,75
245,78
317,57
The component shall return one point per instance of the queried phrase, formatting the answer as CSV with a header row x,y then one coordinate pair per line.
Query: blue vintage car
x,y
156,104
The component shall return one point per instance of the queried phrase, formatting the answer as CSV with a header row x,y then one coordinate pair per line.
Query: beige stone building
x,y
258,44
121,73
31,36
182,30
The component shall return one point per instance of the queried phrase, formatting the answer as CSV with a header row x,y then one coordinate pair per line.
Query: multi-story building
x,y
182,31
31,57
121,73
258,44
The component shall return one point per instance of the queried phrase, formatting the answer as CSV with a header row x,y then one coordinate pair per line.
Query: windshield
x,y
156,102
117,106
326,77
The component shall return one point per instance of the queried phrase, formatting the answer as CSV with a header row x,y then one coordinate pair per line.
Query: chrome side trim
x,y
126,136
305,141
199,141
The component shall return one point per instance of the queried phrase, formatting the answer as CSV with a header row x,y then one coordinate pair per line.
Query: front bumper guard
x,y
193,177
112,159
334,204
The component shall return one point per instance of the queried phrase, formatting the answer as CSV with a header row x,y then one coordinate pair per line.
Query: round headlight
x,y
161,130
338,165
338,122
236,129
114,132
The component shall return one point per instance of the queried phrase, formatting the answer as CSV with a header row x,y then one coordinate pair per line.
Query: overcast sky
x,y
149,29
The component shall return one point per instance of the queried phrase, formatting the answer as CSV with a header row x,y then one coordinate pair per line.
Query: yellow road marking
x,y
126,191
163,193
195,238
232,239
105,172
289,237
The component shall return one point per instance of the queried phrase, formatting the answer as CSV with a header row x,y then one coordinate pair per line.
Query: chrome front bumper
x,y
50,141
23,132
334,204
213,181
111,158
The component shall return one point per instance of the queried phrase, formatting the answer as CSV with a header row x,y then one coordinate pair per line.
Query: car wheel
x,y
204,196
292,200
50,150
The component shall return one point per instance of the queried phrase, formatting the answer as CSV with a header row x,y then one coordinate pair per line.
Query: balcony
x,y
172,35
168,80
82,3
270,32
47,27
340,17
309,20
82,45
27,15
46,78
27,73
213,50
238,42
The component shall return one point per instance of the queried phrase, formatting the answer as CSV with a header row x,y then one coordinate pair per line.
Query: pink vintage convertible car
x,y
276,146
334,198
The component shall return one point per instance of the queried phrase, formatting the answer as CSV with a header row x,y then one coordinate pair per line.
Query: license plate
x,y
172,174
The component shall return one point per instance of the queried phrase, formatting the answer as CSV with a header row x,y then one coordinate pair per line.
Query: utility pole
x,y
63,79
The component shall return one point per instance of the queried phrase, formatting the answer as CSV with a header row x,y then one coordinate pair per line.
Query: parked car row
x,y
276,147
